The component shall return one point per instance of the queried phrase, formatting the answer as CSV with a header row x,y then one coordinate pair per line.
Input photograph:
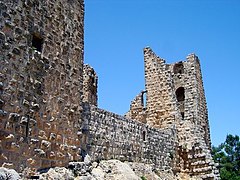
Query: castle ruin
x,y
48,99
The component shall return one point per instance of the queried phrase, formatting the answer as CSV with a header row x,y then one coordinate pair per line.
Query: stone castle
x,y
48,99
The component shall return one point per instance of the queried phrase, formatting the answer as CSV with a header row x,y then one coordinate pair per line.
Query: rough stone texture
x,y
149,172
48,100
41,82
58,173
118,170
175,96
8,174
107,170
110,136
90,81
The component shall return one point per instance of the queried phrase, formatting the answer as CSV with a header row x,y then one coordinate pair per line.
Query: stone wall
x,y
137,108
161,106
111,136
41,82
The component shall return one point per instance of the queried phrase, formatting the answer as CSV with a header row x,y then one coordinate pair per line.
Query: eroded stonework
x,y
48,100
90,81
41,54
175,97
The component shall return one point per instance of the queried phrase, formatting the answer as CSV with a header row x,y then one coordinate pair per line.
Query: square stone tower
x,y
175,98
175,93
41,82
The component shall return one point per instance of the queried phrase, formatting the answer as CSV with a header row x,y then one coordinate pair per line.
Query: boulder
x,y
57,173
9,174
117,170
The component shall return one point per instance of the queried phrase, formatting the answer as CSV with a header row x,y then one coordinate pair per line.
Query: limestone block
x,y
40,152
3,158
6,173
52,136
14,117
59,138
26,103
9,137
52,155
60,156
45,144
42,135
31,162
3,113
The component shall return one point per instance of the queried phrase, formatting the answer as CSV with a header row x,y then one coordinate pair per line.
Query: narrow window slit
x,y
37,42
144,135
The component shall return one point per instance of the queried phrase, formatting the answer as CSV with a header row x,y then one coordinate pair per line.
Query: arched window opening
x,y
180,94
178,68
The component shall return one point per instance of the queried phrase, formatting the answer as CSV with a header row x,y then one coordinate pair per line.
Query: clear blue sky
x,y
116,31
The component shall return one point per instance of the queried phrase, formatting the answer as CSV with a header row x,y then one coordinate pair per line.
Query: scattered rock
x,y
116,169
79,168
8,174
58,173
87,159
106,170
98,173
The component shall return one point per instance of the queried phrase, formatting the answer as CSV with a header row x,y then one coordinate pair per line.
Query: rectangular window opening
x,y
144,135
182,113
37,42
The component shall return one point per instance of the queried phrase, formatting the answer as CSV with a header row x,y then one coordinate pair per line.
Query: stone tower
x,y
175,98
41,82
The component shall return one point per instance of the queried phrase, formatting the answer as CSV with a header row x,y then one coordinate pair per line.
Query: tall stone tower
x,y
175,98
41,82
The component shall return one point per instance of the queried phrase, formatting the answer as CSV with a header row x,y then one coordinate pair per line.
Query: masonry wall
x,y
203,112
111,136
161,106
41,71
137,109
193,133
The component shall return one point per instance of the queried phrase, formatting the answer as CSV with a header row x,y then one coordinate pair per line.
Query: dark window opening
x,y
178,68
144,99
182,113
37,43
180,94
144,135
